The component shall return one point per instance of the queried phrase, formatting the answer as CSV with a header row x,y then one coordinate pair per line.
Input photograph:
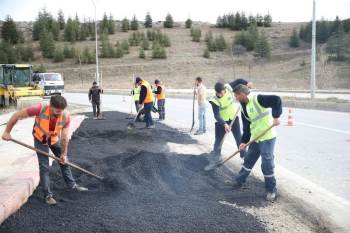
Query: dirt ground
x,y
151,187
288,68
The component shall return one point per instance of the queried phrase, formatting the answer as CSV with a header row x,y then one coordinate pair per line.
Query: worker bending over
x,y
256,118
50,131
224,110
146,101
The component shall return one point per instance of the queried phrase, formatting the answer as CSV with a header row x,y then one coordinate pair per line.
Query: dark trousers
x,y
264,149
219,135
136,105
148,117
161,109
44,167
96,105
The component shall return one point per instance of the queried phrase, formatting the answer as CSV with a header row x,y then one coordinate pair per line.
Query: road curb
x,y
16,189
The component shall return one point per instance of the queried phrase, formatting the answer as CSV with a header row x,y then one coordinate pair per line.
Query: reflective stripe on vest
x,y
225,104
41,129
260,119
149,96
136,95
161,96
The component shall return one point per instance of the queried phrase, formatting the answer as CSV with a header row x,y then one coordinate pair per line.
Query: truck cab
x,y
51,83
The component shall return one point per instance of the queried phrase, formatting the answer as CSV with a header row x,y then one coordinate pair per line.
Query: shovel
x,y
100,178
222,162
131,124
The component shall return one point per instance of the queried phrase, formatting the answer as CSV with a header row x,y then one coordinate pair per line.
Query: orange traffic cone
x,y
290,121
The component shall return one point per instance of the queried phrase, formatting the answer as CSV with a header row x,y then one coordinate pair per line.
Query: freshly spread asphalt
x,y
146,188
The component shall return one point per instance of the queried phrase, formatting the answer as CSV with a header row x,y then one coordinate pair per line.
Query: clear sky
x,y
201,10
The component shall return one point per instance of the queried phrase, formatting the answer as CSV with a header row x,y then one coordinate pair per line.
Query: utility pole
x,y
313,53
97,71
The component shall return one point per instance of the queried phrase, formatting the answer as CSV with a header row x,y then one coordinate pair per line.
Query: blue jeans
x,y
44,167
201,117
219,135
264,149
148,117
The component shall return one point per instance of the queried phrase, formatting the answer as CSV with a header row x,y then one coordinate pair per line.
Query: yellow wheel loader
x,y
17,86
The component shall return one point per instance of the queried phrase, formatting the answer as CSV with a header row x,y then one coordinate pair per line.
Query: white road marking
x,y
322,127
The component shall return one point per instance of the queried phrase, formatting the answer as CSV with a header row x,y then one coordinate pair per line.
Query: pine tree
x,y
125,46
294,40
111,25
71,30
244,21
337,45
45,20
9,32
148,20
206,53
58,55
259,20
103,25
208,36
145,44
47,44
188,23
262,46
220,43
119,51
267,20
134,24
238,22
211,46
169,22
26,53
196,34
60,19
142,53
125,25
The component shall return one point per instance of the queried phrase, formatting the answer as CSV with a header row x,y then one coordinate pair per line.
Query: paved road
x,y
316,148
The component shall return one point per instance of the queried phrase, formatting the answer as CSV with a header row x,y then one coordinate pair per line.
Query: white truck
x,y
52,83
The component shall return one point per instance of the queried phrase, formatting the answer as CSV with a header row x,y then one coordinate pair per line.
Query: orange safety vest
x,y
41,129
161,96
149,96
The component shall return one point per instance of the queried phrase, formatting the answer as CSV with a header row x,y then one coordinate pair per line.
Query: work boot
x,y
198,132
237,185
50,200
271,196
79,188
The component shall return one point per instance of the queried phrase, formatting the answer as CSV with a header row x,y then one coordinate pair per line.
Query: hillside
x,y
287,68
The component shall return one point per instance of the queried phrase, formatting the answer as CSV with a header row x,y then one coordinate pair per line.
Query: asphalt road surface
x,y
316,148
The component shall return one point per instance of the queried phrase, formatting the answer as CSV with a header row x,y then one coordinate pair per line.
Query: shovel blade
x,y
131,126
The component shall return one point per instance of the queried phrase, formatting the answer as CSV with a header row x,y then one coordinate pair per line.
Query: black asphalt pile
x,y
146,187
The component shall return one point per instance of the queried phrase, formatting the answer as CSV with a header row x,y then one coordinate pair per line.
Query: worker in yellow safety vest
x,y
256,119
225,111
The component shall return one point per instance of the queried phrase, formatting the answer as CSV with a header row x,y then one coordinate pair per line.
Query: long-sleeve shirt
x,y
267,101
143,93
158,91
216,111
94,94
